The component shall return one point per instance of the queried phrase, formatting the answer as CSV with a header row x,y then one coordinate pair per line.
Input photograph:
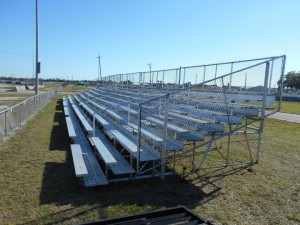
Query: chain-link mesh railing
x,y
15,116
191,113
241,85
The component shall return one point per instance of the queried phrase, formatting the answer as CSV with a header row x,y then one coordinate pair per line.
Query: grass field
x,y
290,107
38,185
72,88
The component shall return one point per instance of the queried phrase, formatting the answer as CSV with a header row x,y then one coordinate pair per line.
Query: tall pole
x,y
99,68
37,64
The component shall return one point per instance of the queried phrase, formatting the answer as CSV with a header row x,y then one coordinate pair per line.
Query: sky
x,y
130,34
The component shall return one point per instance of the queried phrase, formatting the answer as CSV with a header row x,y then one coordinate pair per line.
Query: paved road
x,y
286,116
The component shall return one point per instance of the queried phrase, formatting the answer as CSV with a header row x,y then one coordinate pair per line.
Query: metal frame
x,y
247,134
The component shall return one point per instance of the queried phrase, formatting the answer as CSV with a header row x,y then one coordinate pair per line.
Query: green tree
x,y
292,80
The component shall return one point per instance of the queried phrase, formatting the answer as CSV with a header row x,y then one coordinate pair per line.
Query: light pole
x,y
149,64
37,63
99,68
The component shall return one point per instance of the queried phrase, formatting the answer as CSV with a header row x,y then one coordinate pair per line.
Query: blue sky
x,y
129,34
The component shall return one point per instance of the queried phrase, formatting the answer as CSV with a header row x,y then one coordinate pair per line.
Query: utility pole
x,y
99,68
195,78
32,67
37,63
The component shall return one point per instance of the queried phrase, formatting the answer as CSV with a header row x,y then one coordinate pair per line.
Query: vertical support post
x,y
163,153
216,71
121,80
163,80
139,139
19,106
271,75
133,79
34,103
230,81
179,76
28,107
152,79
175,84
263,109
94,130
128,113
193,159
140,79
5,121
183,77
156,77
281,82
204,71
127,80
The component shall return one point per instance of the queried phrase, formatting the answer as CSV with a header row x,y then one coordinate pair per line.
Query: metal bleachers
x,y
84,158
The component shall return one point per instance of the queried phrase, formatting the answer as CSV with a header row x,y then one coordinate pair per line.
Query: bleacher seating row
x,y
103,127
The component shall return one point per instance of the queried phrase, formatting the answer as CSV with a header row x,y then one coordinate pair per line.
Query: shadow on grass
x,y
60,187
59,139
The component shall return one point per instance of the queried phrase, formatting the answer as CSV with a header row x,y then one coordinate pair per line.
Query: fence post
x,y
29,114
281,82
5,121
139,138
19,106
216,72
230,81
163,80
204,71
34,104
183,78
263,109
163,153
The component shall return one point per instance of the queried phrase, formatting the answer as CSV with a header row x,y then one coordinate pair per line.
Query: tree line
x,y
292,80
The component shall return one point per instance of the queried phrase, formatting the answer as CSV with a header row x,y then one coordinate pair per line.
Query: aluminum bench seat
x,y
70,127
121,166
212,116
186,135
112,158
208,127
103,152
66,111
170,126
131,147
77,99
127,109
83,121
156,138
147,133
78,161
95,176
65,103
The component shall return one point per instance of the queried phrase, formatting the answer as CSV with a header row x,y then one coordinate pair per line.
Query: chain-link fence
x,y
191,113
240,80
15,116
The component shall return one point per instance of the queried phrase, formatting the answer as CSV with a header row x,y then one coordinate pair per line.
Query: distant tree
x,y
292,80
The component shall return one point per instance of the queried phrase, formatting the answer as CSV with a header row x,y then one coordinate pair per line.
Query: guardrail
x,y
15,116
